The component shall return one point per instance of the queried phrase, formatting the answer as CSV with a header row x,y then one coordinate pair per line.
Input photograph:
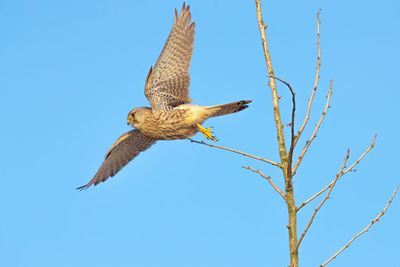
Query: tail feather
x,y
229,108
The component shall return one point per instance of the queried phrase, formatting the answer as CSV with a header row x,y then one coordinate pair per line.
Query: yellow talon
x,y
207,132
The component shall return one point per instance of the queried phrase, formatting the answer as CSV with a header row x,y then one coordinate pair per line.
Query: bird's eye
x,y
132,115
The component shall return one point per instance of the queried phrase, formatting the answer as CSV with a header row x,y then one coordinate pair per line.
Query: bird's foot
x,y
207,132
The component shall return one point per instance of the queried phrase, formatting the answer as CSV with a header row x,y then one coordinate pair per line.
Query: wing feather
x,y
167,84
128,146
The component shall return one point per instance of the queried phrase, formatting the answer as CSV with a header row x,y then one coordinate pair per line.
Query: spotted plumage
x,y
171,115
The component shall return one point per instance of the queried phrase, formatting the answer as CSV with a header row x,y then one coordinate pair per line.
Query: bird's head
x,y
136,116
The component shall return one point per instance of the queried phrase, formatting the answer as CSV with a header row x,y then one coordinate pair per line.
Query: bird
x,y
171,115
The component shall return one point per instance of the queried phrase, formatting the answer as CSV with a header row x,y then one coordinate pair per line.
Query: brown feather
x,y
167,84
128,146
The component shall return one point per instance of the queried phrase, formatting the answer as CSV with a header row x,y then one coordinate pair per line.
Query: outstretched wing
x,y
128,146
167,84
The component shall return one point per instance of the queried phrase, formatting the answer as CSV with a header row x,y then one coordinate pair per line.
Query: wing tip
x,y
185,16
83,187
92,182
184,7
176,15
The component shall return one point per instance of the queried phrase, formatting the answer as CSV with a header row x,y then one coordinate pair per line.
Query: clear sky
x,y
71,70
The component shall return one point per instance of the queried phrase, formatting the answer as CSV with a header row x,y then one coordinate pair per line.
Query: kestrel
x,y
171,115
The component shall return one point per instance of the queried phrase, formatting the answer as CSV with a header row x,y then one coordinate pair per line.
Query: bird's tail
x,y
229,108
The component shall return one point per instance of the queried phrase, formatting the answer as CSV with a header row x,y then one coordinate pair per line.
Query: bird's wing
x,y
167,84
128,146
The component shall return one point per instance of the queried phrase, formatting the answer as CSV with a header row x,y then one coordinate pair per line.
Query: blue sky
x,y
71,70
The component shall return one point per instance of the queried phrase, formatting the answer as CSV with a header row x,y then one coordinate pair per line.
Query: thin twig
x,y
363,231
338,175
317,74
314,134
269,180
237,152
292,137
272,84
349,169
369,148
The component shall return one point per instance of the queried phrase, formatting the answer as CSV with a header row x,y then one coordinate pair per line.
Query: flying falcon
x,y
171,115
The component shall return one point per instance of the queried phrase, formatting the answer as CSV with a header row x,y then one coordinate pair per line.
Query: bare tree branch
x,y
237,152
269,180
375,220
317,74
369,148
272,85
286,157
338,175
314,134
292,136
349,169
293,103
289,192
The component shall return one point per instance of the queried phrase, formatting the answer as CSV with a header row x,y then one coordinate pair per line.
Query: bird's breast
x,y
168,125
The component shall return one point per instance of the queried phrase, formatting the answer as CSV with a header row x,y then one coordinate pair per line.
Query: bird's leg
x,y
207,132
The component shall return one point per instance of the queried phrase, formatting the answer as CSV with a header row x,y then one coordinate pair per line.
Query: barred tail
x,y
229,108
